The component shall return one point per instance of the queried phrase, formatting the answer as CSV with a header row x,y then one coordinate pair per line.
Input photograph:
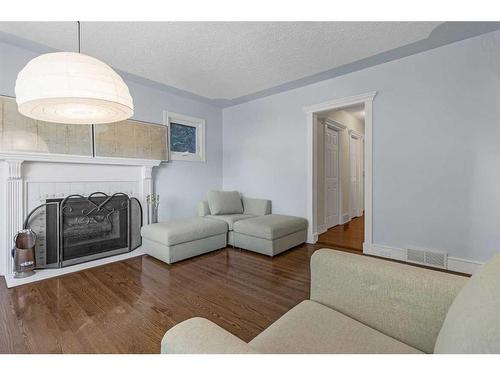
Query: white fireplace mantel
x,y
27,179
77,159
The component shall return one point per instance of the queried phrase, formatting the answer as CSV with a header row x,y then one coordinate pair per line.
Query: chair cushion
x,y
270,227
179,231
253,206
231,219
314,328
224,202
403,301
201,336
472,324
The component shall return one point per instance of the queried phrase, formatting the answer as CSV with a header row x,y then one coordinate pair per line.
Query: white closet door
x,y
356,178
332,177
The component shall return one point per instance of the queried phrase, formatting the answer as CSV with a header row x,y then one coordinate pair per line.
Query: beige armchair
x,y
361,304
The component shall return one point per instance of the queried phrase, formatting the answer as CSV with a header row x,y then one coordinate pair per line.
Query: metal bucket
x,y
24,253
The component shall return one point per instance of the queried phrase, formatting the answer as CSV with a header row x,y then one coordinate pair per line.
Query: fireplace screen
x,y
77,228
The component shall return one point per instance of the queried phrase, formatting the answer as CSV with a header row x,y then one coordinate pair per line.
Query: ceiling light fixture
x,y
72,88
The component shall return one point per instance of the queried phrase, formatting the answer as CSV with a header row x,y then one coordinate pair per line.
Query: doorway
x,y
341,132
340,166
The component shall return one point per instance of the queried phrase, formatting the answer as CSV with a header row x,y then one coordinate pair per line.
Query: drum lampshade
x,y
72,88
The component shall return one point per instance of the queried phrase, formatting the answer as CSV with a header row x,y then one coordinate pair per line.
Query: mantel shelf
x,y
77,159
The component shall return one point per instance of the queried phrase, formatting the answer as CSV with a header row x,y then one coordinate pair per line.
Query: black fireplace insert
x,y
79,229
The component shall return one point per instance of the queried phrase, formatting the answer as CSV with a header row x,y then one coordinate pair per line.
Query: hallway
x,y
347,236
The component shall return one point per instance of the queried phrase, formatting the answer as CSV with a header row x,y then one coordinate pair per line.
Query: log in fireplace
x,y
77,229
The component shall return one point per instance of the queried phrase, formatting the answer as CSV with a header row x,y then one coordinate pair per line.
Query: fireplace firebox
x,y
77,229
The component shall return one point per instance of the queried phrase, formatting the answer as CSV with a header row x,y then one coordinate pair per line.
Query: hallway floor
x,y
348,236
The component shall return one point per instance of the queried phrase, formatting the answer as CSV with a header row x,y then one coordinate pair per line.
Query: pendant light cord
x,y
79,42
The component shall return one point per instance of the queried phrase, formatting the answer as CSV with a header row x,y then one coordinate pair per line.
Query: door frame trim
x,y
312,161
353,134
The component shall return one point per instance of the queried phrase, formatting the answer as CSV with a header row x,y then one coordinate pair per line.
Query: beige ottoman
x,y
270,234
172,241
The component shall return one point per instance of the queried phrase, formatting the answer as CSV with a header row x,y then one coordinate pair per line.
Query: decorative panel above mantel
x,y
131,139
127,140
22,134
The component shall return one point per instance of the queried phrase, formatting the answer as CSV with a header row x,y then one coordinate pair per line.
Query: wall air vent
x,y
430,258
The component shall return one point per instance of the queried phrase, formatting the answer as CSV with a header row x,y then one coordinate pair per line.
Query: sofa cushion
x,y
253,206
179,231
403,301
201,336
314,328
231,219
270,227
265,246
203,209
224,202
472,324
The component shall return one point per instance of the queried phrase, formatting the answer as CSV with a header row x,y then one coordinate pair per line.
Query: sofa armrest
x,y
203,209
253,206
201,336
405,302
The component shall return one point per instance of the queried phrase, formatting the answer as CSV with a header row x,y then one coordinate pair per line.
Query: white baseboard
x,y
322,229
463,265
345,218
312,238
454,264
49,273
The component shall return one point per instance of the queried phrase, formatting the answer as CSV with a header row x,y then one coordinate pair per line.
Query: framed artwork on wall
x,y
186,137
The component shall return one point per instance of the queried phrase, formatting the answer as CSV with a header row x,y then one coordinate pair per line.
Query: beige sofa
x,y
251,208
224,218
251,225
361,304
176,240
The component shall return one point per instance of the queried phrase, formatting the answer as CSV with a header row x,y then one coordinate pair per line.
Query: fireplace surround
x,y
28,180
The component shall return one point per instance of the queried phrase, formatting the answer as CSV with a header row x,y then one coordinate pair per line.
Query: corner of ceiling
x,y
443,34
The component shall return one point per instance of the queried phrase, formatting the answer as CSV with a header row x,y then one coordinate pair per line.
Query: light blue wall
x,y
181,184
436,147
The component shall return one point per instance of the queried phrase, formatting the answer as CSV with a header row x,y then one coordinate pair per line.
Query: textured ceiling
x,y
224,60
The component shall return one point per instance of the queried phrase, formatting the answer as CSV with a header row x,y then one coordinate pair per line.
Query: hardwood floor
x,y
126,307
347,236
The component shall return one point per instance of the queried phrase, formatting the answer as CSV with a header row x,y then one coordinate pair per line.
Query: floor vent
x,y
427,257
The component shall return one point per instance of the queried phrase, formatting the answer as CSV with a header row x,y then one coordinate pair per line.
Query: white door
x,y
332,177
356,175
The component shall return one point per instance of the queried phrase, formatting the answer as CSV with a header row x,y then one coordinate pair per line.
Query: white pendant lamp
x,y
72,88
